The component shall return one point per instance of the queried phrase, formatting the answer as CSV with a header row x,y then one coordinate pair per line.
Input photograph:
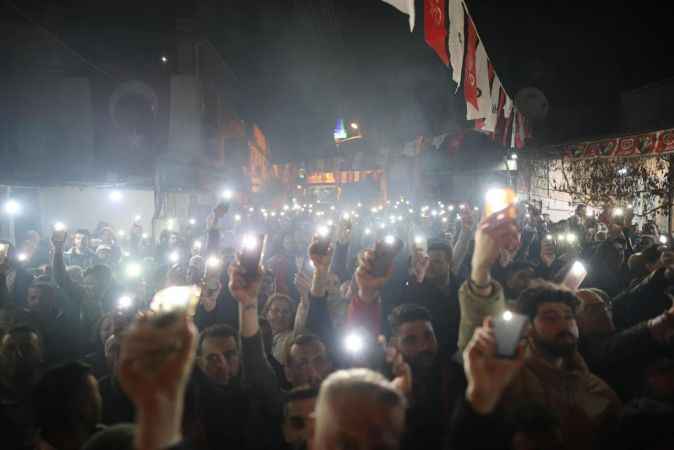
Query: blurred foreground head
x,y
358,409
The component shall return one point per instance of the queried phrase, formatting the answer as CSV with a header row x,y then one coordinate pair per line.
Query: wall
x,y
85,207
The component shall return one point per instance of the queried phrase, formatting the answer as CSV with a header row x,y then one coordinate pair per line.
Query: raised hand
x,y
319,256
488,376
420,263
303,284
402,371
547,252
244,287
155,364
369,284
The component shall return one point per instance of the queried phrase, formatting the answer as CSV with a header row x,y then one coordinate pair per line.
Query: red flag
x,y
469,72
500,119
435,27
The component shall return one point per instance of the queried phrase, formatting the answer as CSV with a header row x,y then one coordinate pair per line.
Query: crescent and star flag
x,y
456,39
405,7
470,74
435,27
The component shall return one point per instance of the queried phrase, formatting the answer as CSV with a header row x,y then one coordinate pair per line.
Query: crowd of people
x,y
352,328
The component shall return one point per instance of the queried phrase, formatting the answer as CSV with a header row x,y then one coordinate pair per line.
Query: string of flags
x,y
450,30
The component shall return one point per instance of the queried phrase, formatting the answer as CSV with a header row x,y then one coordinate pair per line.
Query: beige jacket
x,y
586,405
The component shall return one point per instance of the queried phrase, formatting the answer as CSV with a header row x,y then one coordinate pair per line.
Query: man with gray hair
x,y
358,409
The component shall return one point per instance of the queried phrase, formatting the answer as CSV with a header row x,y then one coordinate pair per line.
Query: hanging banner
x,y
455,42
435,28
644,144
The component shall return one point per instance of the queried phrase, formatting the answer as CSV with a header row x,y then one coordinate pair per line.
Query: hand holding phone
x,y
575,277
509,331
384,253
250,255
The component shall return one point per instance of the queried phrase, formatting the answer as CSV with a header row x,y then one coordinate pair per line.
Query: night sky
x,y
302,63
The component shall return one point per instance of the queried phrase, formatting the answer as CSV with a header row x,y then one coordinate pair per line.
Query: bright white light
x,y
251,210
360,205
663,239
249,242
22,257
589,213
450,207
497,199
12,207
578,269
164,59
411,211
507,316
630,206
368,232
237,217
124,302
462,206
548,237
444,220
213,262
527,215
174,257
59,226
419,240
193,221
330,223
115,196
145,236
169,224
618,212
134,270
477,209
227,194
382,226
571,238
323,231
137,218
273,213
354,343
434,213
389,239
354,125
299,187
561,238
622,171
513,156
121,233
346,216
286,207
197,245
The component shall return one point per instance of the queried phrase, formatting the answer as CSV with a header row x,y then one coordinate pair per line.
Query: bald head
x,y
358,409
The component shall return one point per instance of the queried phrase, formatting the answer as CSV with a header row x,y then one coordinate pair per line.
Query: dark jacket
x,y
619,358
117,408
642,302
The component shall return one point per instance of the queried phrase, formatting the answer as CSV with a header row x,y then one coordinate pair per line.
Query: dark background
x,y
300,64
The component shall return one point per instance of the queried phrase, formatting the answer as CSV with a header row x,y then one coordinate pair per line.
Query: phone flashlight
x,y
145,235
618,212
578,269
174,257
134,270
227,194
22,257
59,226
193,221
197,245
213,262
137,218
389,239
124,302
354,343
249,242
549,237
663,239
368,232
571,238
418,240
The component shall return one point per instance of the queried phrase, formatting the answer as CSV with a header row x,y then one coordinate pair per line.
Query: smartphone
x,y
420,243
574,278
384,253
59,232
509,330
251,254
500,207
322,240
